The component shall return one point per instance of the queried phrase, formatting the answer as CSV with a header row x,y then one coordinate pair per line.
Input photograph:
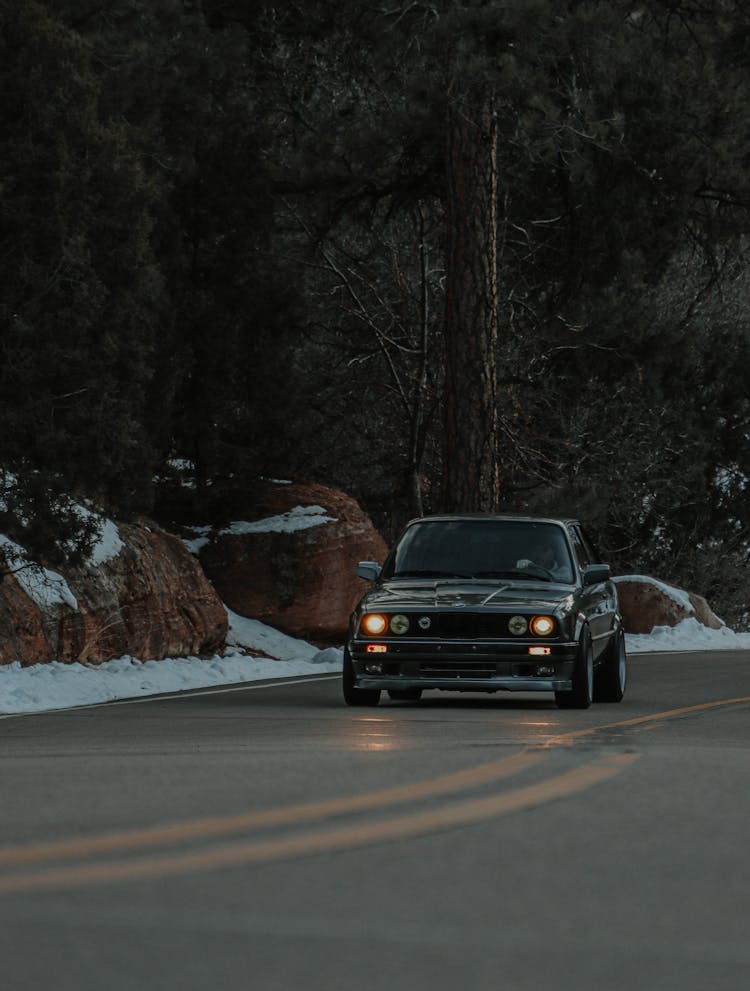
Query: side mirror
x,y
595,573
369,570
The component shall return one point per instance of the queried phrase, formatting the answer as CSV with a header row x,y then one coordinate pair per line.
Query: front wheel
x,y
582,692
612,674
352,694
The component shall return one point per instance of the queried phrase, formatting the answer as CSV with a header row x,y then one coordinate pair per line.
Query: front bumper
x,y
464,666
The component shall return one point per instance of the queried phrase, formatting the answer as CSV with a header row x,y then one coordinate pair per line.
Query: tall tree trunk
x,y
471,480
419,416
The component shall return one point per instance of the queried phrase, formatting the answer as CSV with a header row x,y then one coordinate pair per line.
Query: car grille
x,y
461,625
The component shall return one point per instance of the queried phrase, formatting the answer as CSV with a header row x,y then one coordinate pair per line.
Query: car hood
x,y
458,593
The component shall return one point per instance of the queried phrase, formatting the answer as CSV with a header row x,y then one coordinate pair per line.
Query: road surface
x,y
271,838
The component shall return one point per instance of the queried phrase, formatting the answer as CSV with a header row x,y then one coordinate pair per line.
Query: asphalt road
x,y
272,838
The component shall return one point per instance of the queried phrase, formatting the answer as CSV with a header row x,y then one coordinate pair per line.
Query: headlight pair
x,y
376,624
538,626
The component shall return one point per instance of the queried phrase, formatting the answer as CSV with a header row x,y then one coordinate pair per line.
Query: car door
x,y
599,601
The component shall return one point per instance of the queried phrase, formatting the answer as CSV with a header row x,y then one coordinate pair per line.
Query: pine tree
x,y
81,293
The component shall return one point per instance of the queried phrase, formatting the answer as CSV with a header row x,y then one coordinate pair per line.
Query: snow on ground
x,y
687,635
61,686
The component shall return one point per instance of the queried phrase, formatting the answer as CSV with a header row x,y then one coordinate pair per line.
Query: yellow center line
x,y
206,828
686,710
334,838
308,812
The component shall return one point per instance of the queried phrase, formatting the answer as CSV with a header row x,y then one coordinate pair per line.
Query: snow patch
x,y
244,632
108,543
687,635
197,543
299,518
46,588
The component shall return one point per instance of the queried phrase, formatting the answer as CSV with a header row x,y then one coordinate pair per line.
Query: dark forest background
x,y
251,236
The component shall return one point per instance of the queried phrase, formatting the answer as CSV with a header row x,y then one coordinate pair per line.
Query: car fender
x,y
581,625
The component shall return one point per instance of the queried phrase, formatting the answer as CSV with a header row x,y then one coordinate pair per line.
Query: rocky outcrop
x,y
294,565
646,603
22,634
150,600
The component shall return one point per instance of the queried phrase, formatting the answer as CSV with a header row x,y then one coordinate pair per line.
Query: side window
x,y
583,555
594,557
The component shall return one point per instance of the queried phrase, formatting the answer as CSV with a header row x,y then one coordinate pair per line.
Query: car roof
x,y
511,517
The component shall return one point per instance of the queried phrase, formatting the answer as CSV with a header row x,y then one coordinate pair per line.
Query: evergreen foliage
x,y
79,279
224,225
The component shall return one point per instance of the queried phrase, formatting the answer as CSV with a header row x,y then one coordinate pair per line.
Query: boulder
x,y
22,634
293,564
149,600
646,603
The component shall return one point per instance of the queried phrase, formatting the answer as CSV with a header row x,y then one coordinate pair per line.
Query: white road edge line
x,y
250,686
241,686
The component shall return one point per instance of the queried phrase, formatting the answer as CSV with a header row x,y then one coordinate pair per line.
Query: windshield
x,y
482,548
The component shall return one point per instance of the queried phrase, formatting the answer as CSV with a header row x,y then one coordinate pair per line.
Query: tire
x,y
612,675
353,695
405,694
581,694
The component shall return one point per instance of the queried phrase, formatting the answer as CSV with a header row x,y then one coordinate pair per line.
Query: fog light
x,y
399,624
540,651
373,668
376,648
517,625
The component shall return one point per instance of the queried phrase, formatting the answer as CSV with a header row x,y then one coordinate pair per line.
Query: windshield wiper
x,y
431,574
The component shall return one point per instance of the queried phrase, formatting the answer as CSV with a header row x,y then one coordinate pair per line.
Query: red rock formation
x,y
22,634
703,612
150,601
645,604
304,581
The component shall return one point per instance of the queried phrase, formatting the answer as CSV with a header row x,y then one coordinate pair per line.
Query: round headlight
x,y
517,625
399,624
542,626
374,624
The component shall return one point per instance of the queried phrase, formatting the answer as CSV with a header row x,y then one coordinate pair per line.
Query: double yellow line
x,y
64,869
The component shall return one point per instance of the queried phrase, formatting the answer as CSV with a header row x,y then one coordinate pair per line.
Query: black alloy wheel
x,y
612,674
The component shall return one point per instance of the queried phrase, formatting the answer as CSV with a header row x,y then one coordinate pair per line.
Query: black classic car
x,y
487,604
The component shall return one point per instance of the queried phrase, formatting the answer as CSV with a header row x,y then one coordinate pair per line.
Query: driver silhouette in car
x,y
543,557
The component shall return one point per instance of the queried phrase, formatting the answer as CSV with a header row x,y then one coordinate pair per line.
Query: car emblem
x,y
424,622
